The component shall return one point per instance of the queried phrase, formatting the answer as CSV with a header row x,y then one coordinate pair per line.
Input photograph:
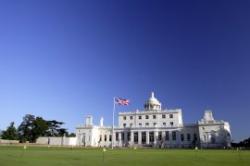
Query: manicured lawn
x,y
43,156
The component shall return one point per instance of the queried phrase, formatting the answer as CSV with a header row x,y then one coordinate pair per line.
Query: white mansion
x,y
155,127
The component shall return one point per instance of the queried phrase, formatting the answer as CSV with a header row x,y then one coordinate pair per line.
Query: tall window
x,y
143,137
188,137
154,116
124,124
182,137
129,136
135,137
151,136
124,118
167,135
110,138
131,117
164,123
160,136
171,123
117,136
146,117
171,116
122,136
139,117
105,137
163,116
174,135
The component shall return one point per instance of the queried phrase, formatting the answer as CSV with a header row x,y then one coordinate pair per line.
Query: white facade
x,y
155,127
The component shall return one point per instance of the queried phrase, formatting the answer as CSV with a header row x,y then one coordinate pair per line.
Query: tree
x,y
55,128
33,127
10,133
25,129
40,127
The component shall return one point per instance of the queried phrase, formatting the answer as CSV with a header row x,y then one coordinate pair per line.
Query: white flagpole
x,y
113,136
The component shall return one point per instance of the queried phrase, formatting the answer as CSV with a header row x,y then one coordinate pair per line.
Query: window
x,y
195,137
124,118
105,138
143,137
147,124
164,123
167,135
110,138
139,117
116,136
154,116
100,138
131,117
171,123
140,124
151,136
129,136
159,136
174,135
124,124
171,116
122,136
188,137
182,137
163,116
146,117
131,124
136,137
155,124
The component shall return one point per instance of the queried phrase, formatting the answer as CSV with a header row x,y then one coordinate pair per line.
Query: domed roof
x,y
152,103
152,100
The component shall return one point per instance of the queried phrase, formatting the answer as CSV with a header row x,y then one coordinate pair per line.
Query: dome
x,y
152,103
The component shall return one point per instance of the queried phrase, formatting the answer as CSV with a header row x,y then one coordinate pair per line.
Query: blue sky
x,y
64,59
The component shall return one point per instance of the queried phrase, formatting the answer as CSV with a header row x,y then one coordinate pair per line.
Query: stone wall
x,y
57,141
3,141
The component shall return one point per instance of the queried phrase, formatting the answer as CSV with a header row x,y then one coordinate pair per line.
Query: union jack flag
x,y
121,101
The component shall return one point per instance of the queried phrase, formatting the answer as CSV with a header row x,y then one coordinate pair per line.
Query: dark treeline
x,y
242,144
33,127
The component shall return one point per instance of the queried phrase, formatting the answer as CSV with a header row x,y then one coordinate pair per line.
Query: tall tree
x,y
10,133
40,127
55,128
26,127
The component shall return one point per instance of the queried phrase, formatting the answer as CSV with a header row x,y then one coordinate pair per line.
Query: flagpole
x,y
113,137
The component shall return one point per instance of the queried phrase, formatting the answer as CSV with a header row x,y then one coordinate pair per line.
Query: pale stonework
x,y
156,127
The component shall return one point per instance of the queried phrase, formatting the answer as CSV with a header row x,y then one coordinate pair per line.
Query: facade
x,y
155,127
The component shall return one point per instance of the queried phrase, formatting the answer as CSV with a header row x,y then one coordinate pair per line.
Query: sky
x,y
64,59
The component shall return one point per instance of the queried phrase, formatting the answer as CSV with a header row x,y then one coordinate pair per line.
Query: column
x,y
125,138
119,139
131,138
147,137
155,137
139,137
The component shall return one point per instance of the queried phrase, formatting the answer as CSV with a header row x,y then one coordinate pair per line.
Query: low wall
x,y
57,141
3,141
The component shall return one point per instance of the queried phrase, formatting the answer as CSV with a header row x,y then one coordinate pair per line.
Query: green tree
x,y
25,130
10,133
40,127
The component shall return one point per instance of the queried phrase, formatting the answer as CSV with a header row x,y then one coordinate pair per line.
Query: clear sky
x,y
65,59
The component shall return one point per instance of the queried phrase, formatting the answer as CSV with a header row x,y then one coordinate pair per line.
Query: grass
x,y
43,156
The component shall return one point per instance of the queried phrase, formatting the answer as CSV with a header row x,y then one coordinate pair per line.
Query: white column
x,y
139,137
125,138
131,138
155,137
119,139
147,137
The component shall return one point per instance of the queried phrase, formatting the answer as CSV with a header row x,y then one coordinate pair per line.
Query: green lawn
x,y
42,156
